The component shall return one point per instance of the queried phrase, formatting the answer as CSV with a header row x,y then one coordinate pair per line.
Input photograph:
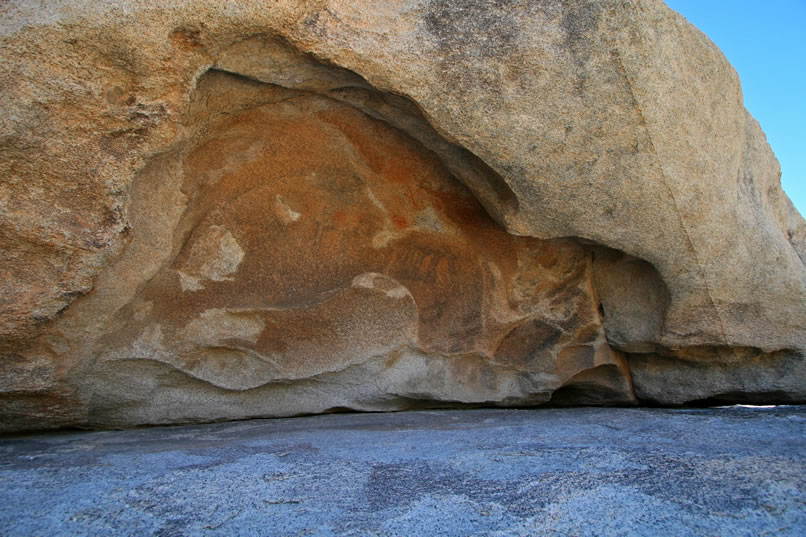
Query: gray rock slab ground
x,y
583,472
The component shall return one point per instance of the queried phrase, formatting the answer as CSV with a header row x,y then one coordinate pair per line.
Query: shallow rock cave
x,y
317,251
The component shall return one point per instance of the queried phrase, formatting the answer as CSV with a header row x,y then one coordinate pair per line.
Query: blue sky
x,y
765,40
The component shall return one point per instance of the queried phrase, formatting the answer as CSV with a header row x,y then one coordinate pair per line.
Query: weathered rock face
x,y
212,213
314,246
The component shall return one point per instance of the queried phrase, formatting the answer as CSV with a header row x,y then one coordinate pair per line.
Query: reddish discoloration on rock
x,y
312,257
347,242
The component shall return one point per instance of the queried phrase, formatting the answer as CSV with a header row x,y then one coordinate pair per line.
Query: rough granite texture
x,y
214,210
482,473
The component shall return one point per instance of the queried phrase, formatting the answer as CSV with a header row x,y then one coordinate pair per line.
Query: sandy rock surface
x,y
492,473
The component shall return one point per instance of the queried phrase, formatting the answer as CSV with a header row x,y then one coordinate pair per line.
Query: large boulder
x,y
213,211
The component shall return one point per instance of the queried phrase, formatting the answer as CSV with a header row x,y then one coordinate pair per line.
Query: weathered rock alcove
x,y
310,256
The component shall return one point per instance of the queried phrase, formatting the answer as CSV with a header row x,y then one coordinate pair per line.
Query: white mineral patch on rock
x,y
385,284
284,212
215,326
215,256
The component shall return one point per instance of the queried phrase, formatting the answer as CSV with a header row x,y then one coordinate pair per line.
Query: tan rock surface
x,y
184,244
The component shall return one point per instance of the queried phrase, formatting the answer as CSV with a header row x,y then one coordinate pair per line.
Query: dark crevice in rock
x,y
694,375
746,398
633,299
604,385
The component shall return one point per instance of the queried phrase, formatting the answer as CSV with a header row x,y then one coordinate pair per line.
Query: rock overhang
x,y
599,166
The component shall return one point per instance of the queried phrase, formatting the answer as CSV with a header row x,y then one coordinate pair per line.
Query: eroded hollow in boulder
x,y
310,243
320,258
